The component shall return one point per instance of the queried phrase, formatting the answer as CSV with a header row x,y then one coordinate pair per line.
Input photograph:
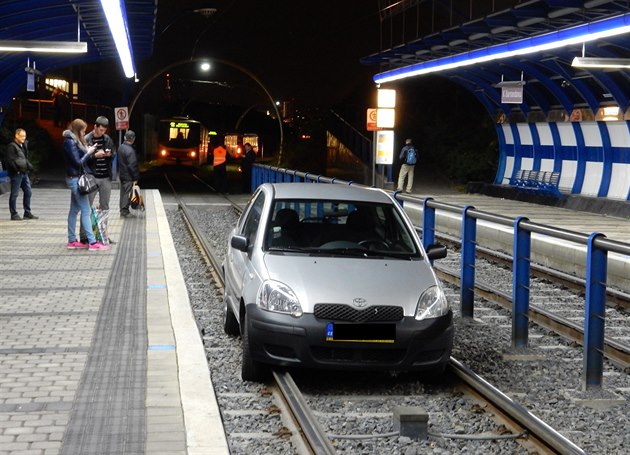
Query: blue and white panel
x,y
620,177
594,158
567,148
509,153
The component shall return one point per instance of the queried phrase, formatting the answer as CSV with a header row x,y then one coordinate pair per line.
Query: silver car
x,y
333,276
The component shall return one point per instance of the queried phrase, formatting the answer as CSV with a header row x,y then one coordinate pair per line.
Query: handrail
x,y
597,249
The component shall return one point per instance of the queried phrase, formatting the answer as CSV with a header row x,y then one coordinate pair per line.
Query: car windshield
x,y
339,228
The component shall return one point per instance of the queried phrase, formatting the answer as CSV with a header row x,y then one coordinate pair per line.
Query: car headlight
x,y
278,297
432,304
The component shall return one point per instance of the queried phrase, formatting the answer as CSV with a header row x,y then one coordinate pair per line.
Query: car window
x,y
314,225
252,220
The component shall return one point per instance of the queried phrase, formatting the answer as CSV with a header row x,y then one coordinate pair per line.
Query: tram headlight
x,y
163,152
193,154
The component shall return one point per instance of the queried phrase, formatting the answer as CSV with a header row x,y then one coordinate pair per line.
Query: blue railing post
x,y
469,240
428,223
594,313
520,283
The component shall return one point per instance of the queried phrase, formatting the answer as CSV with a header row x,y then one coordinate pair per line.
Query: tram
x,y
182,141
234,143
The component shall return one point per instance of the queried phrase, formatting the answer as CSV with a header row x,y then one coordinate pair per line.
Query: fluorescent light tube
x,y
66,47
116,18
600,62
580,34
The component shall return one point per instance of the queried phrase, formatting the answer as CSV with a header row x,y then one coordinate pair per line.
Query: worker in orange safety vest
x,y
220,171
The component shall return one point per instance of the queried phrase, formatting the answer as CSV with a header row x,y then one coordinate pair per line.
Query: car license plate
x,y
361,333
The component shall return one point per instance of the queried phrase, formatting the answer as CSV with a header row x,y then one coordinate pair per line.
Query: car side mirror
x,y
436,251
239,242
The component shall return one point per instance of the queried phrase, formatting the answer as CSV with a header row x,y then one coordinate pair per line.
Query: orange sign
x,y
371,119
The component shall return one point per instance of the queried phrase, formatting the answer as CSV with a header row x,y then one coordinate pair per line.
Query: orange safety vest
x,y
219,156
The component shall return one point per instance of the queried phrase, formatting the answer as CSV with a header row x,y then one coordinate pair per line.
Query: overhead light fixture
x,y
64,47
580,34
117,20
600,62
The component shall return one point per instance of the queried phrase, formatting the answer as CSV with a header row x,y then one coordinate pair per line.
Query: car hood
x,y
342,280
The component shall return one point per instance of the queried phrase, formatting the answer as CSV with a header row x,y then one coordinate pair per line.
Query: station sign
x,y
122,118
371,119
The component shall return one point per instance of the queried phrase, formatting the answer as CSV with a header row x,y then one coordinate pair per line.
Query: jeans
x,y
79,202
20,181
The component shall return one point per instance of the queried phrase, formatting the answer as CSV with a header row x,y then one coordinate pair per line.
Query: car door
x,y
239,265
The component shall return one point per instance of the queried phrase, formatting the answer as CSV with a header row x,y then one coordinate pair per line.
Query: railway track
x,y
307,434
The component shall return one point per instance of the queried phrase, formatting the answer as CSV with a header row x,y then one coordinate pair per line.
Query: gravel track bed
x,y
548,384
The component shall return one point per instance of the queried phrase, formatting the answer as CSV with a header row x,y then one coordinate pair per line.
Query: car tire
x,y
250,369
230,323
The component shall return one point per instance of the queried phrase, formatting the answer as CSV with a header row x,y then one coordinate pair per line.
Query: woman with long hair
x,y
76,153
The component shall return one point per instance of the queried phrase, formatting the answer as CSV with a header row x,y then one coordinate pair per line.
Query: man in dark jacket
x,y
18,167
128,171
246,168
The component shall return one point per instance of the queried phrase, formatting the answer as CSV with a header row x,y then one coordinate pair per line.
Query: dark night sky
x,y
303,51
307,51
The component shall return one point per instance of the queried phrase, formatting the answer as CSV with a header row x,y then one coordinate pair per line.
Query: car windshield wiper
x,y
352,252
289,249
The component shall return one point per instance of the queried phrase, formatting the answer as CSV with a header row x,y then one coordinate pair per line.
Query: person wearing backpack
x,y
409,156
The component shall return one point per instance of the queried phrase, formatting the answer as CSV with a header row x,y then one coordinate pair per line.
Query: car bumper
x,y
277,339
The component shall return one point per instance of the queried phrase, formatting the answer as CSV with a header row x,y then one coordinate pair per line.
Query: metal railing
x,y
597,249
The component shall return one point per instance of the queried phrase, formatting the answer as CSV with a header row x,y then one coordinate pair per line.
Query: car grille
x,y
339,312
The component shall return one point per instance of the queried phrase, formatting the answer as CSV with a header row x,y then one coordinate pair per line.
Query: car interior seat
x,y
289,222
360,226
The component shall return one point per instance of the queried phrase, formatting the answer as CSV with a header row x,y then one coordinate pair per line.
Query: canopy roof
x,y
550,80
67,20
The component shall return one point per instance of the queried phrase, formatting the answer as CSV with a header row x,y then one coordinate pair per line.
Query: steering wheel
x,y
369,244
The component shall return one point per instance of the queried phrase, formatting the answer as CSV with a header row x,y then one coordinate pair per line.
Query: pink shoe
x,y
77,245
98,246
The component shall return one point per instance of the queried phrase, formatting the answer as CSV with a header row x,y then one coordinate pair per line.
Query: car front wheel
x,y
250,369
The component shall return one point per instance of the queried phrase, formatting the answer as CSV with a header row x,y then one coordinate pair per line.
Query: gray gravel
x,y
547,382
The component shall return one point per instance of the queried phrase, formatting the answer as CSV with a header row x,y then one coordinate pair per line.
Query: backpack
x,y
412,156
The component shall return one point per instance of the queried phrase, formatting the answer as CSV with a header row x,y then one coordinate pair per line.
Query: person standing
x,y
409,156
101,165
246,168
128,171
219,158
76,154
18,167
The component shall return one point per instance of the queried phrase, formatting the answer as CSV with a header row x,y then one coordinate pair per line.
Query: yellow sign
x,y
385,147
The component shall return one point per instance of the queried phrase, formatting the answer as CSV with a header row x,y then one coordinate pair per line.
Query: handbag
x,y
136,199
87,182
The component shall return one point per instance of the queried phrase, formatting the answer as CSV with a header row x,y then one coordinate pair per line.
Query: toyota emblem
x,y
359,302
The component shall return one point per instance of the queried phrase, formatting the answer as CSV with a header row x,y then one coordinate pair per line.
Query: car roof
x,y
328,191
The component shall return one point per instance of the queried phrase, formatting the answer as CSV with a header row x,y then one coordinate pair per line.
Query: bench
x,y
537,182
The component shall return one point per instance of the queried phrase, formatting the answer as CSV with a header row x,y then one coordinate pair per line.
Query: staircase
x,y
350,154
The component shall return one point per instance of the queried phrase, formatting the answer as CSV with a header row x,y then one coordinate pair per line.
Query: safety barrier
x,y
597,249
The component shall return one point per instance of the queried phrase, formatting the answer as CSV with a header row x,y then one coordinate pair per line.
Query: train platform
x,y
100,352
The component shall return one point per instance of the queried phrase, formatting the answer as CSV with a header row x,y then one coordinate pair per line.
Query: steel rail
x,y
312,431
616,352
537,428
614,296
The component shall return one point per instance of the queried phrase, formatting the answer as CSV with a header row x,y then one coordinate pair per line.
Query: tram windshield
x,y
179,133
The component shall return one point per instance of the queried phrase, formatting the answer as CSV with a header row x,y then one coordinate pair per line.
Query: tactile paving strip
x,y
109,407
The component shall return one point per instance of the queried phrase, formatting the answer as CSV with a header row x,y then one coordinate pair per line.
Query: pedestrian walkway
x,y
99,351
